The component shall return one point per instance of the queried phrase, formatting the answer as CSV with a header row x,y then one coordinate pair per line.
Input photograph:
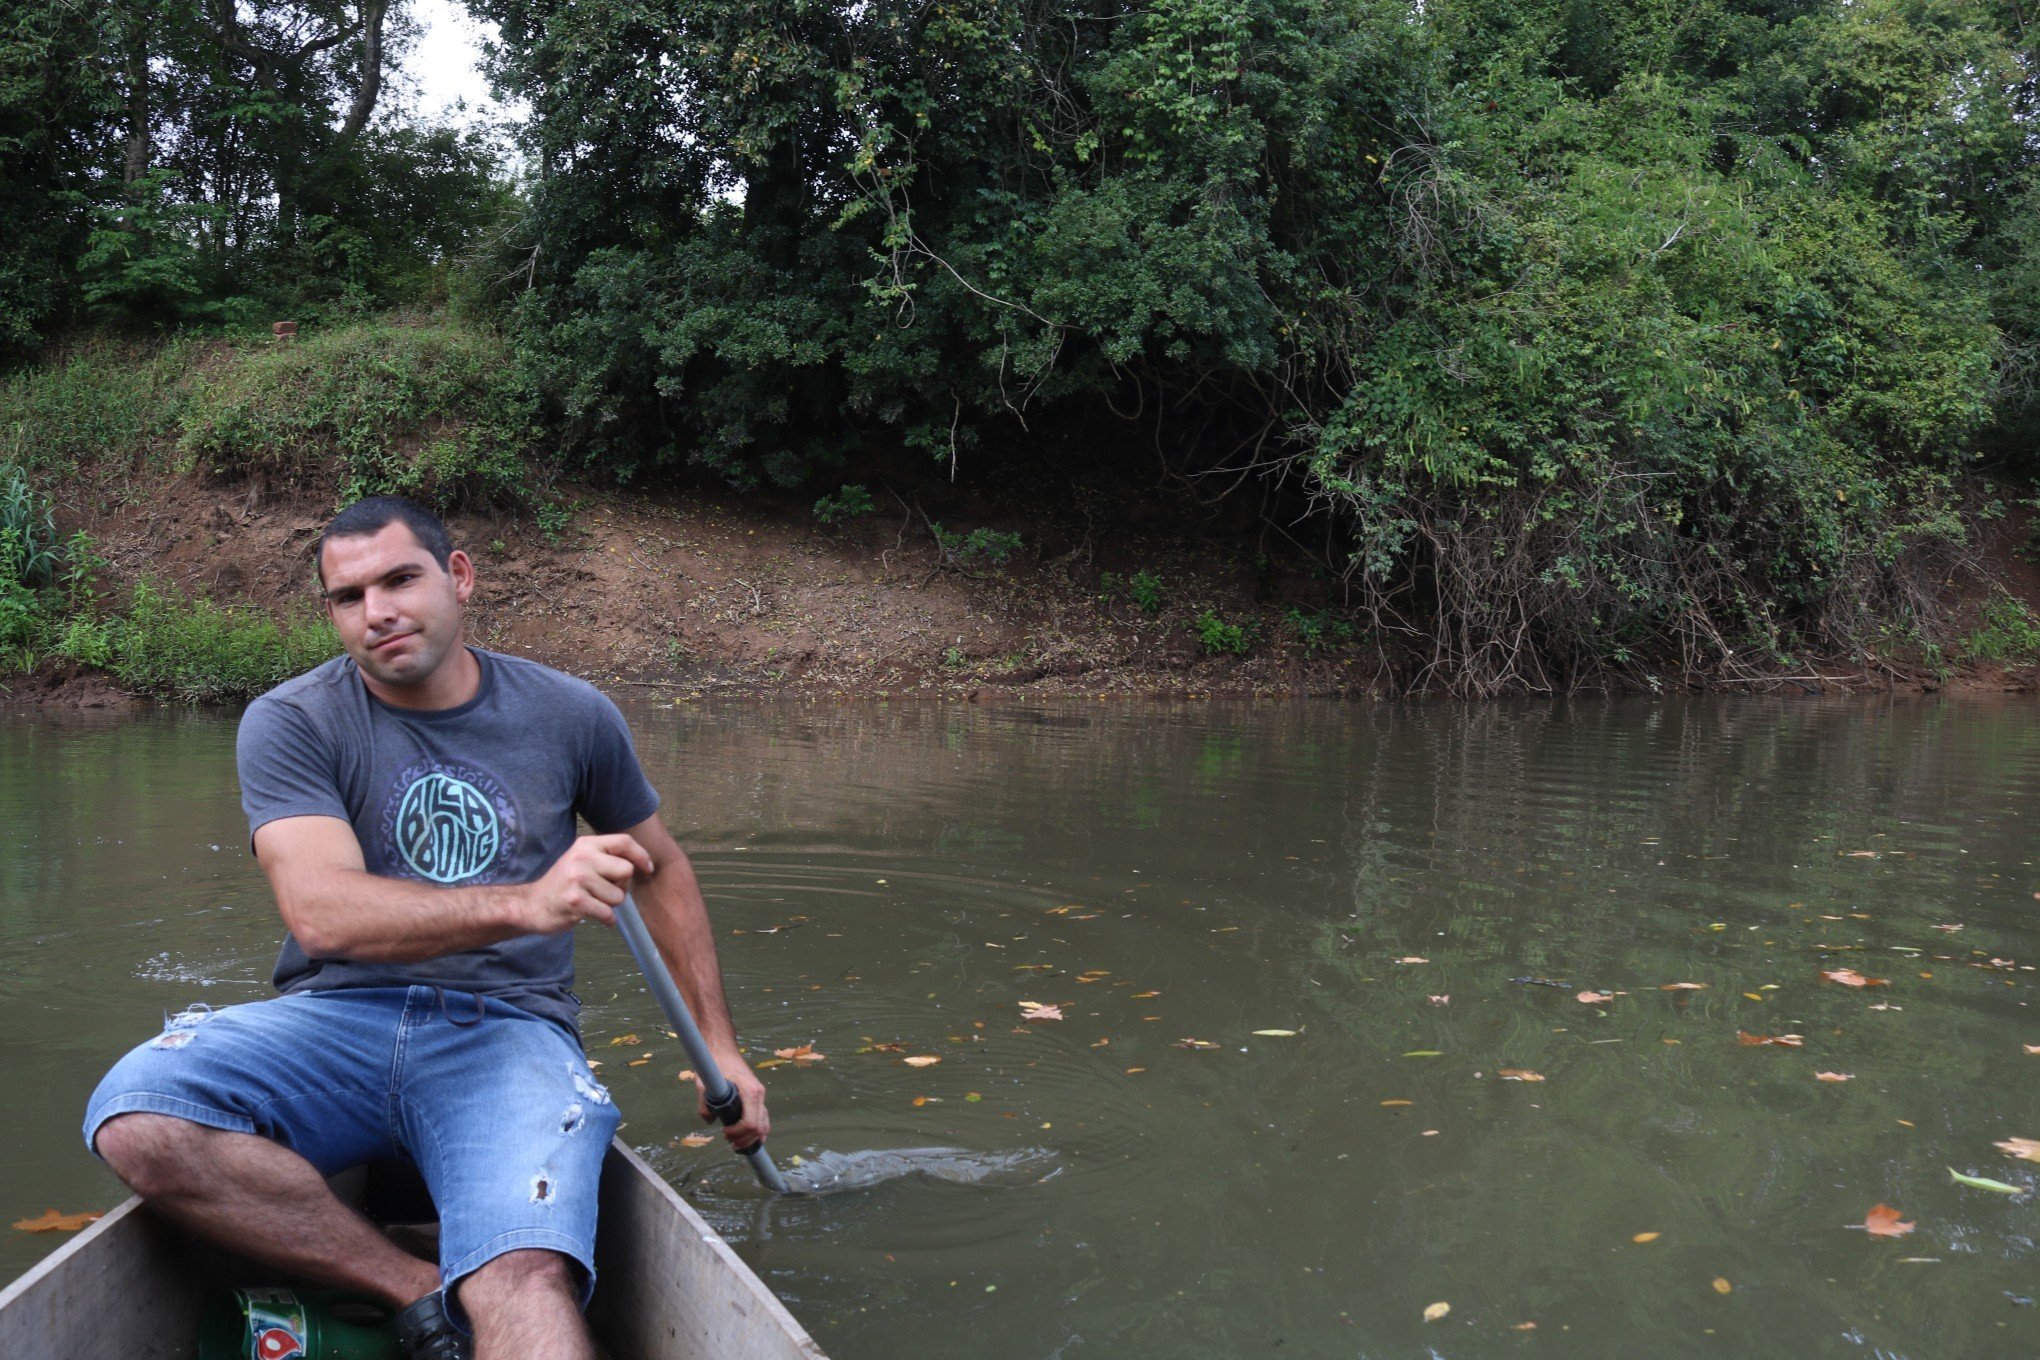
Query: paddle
x,y
723,1101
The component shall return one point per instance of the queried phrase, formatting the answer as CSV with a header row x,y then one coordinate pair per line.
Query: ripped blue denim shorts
x,y
496,1106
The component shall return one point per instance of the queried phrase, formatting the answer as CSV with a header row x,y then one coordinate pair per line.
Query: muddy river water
x,y
1322,1059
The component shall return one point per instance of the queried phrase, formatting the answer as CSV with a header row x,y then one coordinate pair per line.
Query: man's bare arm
x,y
671,903
337,909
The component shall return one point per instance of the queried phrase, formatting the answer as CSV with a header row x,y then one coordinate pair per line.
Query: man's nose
x,y
379,605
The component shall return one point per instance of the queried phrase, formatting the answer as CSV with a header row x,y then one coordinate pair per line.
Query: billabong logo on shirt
x,y
450,823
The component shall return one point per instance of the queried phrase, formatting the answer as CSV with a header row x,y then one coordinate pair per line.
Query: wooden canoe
x,y
668,1287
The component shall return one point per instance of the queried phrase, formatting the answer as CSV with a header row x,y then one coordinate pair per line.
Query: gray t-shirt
x,y
483,793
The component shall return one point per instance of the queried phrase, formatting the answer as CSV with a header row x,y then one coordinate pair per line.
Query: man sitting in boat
x,y
413,803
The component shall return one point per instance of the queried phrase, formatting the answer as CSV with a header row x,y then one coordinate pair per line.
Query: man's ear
x,y
462,569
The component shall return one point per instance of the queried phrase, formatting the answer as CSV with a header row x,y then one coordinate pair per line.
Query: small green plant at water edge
x,y
1221,638
1319,630
1146,592
953,658
848,503
2009,633
195,650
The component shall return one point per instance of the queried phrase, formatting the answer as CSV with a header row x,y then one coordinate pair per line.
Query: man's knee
x,y
155,1154
519,1274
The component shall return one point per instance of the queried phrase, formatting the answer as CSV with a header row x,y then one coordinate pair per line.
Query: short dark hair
x,y
376,513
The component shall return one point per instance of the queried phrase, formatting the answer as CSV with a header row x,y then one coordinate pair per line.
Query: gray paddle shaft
x,y
723,1100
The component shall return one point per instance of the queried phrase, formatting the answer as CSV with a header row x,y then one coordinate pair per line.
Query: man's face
x,y
397,611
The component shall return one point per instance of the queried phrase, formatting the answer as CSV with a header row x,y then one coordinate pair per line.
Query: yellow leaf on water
x,y
1646,1237
1034,1010
637,1062
2025,1148
1721,1285
1145,996
697,1140
1883,1221
1412,958
625,1040
1436,1311
921,1060
1519,1074
1387,1103
1684,987
1131,1070
1522,1326
49,1220
1834,1076
1595,998
686,1074
1277,1033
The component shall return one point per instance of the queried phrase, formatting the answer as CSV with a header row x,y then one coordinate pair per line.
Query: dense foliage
x,y
213,160
1591,338
1606,334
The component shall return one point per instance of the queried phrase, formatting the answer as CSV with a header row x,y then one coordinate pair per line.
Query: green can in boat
x,y
295,1324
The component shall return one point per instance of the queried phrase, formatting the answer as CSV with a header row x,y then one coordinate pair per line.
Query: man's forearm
x,y
353,914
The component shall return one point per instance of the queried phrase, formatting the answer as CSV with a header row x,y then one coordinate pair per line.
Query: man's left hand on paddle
x,y
757,1121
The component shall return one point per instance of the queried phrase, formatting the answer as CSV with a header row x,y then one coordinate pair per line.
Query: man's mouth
x,y
389,641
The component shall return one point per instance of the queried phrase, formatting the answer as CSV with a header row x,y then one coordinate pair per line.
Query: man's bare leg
x,y
261,1200
526,1305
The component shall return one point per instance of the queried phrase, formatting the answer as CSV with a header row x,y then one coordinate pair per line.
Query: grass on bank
x,y
423,406
159,641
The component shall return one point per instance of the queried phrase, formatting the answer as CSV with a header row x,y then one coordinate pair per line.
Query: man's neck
x,y
457,680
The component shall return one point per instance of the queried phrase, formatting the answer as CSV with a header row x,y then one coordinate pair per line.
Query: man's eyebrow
x,y
397,570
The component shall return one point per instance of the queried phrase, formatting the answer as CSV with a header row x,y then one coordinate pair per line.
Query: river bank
x,y
688,593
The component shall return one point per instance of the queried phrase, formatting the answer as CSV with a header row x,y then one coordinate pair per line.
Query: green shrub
x,y
1221,638
1319,630
986,545
2009,633
1145,589
848,503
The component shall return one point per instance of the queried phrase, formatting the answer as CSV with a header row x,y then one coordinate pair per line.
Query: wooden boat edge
x,y
669,1286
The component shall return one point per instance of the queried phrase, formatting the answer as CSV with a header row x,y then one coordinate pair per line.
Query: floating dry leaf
x,y
1034,1010
1859,854
1389,1104
1436,1311
49,1220
637,1062
1849,977
2032,1048
1834,1076
1722,1286
2026,1148
1684,987
1519,1074
624,1040
804,1053
1276,1033
921,1060
1412,958
1883,1221
1748,1040
1444,1000
697,1140
1522,1326
1195,1043
686,1074
1595,998
1145,996
1645,1237
1131,1070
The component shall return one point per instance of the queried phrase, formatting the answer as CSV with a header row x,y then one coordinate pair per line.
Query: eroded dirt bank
x,y
685,594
